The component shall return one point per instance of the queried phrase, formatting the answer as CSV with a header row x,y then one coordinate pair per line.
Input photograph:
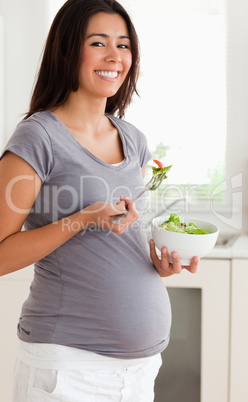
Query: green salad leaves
x,y
173,224
159,174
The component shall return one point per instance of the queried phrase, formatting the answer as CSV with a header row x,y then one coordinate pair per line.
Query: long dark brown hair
x,y
59,70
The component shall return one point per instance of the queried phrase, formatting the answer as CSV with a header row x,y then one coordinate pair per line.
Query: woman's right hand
x,y
100,214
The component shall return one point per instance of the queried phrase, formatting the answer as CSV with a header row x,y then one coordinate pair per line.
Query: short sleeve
x,y
145,154
32,143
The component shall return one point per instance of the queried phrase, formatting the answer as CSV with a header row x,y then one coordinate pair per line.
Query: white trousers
x,y
49,373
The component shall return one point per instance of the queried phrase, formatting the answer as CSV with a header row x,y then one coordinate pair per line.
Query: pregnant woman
x,y
98,314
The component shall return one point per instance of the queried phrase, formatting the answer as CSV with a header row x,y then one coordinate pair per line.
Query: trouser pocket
x,y
45,385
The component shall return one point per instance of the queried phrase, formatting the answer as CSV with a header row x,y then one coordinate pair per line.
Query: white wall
x,y
24,35
1,81
237,97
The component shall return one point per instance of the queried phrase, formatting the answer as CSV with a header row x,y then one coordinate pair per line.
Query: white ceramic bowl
x,y
186,245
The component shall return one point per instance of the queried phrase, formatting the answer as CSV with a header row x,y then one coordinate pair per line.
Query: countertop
x,y
238,248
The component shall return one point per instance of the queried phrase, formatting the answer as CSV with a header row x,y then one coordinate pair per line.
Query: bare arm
x,y
19,187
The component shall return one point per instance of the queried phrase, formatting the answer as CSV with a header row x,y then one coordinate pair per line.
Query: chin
x,y
109,94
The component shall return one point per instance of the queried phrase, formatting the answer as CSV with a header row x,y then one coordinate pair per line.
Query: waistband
x,y
60,357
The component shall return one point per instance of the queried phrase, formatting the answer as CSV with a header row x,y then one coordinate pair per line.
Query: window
x,y
182,104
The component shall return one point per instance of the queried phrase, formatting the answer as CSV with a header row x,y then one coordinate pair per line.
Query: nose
x,y
113,56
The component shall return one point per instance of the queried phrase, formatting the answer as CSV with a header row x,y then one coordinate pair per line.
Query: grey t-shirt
x,y
99,291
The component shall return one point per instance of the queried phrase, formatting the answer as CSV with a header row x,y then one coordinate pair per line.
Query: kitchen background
x,y
193,110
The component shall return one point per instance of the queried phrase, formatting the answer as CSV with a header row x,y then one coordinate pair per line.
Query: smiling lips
x,y
107,74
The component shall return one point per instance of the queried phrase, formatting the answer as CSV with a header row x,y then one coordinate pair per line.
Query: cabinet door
x,y
213,279
239,332
14,289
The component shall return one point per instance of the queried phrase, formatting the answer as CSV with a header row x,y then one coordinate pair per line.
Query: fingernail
x,y
164,251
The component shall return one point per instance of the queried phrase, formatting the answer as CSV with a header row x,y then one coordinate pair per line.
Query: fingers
x,y
153,254
118,208
193,265
122,202
130,205
132,215
170,268
177,268
130,218
164,267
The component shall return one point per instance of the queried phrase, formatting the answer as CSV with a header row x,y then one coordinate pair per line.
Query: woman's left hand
x,y
165,268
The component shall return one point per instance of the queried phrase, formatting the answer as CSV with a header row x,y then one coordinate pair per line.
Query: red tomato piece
x,y
160,164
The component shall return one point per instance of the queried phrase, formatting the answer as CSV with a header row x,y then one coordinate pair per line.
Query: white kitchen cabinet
x,y
213,278
239,332
14,289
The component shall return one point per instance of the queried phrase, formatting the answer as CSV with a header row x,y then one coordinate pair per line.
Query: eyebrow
x,y
107,36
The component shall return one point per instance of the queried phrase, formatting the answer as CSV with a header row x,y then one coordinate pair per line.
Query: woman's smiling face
x,y
107,56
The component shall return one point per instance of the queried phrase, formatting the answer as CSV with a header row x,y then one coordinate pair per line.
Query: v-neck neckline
x,y
93,156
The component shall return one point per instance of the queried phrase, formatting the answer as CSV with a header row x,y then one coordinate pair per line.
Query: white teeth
x,y
107,74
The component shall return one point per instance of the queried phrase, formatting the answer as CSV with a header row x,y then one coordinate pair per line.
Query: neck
x,y
82,112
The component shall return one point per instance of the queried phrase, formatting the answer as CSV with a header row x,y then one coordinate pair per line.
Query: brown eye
x,y
123,46
97,44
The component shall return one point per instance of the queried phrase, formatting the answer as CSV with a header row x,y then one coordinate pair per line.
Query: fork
x,y
152,184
